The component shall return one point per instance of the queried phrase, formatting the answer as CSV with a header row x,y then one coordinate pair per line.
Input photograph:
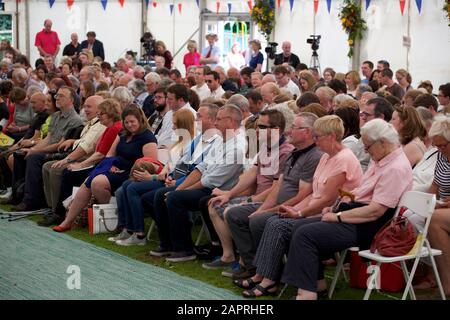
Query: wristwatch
x,y
249,199
338,215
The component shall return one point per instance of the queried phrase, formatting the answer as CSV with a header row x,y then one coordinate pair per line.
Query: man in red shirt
x,y
47,41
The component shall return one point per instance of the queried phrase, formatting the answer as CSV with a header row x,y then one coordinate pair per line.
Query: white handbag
x,y
103,218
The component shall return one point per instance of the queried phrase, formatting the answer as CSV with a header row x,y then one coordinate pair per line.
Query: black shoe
x,y
208,252
244,273
50,220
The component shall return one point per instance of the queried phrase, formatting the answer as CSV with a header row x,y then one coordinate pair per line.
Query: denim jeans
x,y
128,196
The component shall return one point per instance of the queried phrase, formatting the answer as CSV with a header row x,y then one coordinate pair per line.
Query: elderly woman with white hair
x,y
357,218
123,96
138,88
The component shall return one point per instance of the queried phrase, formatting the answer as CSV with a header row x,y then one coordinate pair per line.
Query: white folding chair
x,y
423,205
340,258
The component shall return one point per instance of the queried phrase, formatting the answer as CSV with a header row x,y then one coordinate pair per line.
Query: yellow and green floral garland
x,y
446,8
352,23
263,15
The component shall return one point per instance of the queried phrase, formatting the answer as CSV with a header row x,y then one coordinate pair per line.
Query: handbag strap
x,y
103,219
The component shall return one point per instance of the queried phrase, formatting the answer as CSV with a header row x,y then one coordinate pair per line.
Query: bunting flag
x,y
419,5
121,3
229,7
198,3
316,5
279,3
329,5
70,3
250,4
217,6
154,4
104,3
291,3
147,2
402,6
180,7
367,4
51,2
171,8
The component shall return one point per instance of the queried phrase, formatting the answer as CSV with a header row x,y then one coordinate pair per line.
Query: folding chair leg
x,y
150,230
200,234
282,290
340,264
370,285
438,279
408,278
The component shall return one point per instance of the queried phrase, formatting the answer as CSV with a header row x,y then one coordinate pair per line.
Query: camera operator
x,y
148,43
287,56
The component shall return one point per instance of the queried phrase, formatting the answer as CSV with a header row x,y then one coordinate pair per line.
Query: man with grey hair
x,y
152,80
159,62
138,88
73,48
326,96
221,170
21,79
268,78
287,57
247,222
139,72
360,89
87,73
242,103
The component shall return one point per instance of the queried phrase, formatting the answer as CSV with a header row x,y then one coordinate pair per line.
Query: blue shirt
x,y
255,60
215,52
129,152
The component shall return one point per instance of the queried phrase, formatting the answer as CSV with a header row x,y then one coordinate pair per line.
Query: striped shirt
x,y
442,176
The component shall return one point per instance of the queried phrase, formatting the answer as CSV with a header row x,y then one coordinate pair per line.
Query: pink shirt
x,y
270,166
47,41
385,181
343,162
191,59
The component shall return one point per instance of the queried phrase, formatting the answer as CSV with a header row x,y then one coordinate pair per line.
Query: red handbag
x,y
396,238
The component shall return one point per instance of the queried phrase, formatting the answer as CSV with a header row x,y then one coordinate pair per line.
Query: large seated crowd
x,y
264,157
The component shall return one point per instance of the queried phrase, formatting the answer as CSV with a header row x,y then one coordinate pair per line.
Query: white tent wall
x,y
120,29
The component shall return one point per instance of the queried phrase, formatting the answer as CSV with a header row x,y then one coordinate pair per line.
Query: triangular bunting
x,y
291,3
329,5
70,3
279,3
316,5
402,6
217,6
51,2
367,4
104,3
147,2
250,4
180,7
419,5
229,7
198,3
171,8
154,4
121,3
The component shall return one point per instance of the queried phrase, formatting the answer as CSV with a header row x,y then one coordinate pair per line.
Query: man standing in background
x,y
47,41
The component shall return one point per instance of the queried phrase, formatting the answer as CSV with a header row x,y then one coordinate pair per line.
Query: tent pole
x,y
357,50
144,25
27,27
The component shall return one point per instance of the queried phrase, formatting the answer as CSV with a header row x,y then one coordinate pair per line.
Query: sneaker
x,y
160,252
132,241
208,252
234,269
6,197
218,264
181,256
50,220
124,235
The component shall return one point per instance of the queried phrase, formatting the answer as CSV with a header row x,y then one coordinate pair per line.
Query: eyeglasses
x,y
208,81
365,115
300,128
101,113
263,126
367,148
219,119
160,97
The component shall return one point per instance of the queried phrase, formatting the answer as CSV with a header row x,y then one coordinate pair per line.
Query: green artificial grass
x,y
194,269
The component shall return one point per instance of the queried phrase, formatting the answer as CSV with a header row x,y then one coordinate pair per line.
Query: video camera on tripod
x,y
314,40
148,43
271,50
